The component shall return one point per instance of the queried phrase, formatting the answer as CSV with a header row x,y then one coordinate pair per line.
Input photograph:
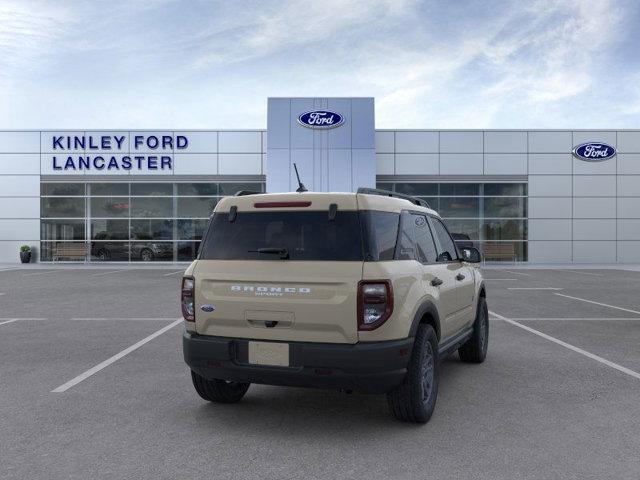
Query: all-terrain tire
x,y
415,399
219,391
475,349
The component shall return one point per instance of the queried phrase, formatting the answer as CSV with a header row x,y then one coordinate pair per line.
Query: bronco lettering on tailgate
x,y
273,291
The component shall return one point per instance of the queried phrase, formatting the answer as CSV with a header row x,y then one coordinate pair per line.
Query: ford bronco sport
x,y
358,291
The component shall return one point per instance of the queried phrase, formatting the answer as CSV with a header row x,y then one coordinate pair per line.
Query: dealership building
x,y
533,196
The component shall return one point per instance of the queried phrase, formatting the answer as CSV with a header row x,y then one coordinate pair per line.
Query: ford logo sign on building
x,y
320,119
594,151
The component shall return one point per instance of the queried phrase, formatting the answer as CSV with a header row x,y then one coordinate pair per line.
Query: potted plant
x,y
25,253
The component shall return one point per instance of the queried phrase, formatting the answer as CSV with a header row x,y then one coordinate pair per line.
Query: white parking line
x,y
173,273
582,273
590,355
109,273
9,321
135,319
598,303
577,319
534,288
39,273
83,376
22,318
519,273
9,269
2,293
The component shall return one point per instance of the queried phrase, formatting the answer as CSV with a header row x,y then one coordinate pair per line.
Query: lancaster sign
x,y
320,119
594,151
112,162
113,153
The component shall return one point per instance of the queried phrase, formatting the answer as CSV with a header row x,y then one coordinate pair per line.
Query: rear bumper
x,y
375,367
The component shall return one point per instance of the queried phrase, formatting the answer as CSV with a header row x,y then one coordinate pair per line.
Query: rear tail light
x,y
187,299
375,303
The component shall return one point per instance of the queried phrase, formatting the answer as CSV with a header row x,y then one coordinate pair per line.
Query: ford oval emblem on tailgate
x,y
207,308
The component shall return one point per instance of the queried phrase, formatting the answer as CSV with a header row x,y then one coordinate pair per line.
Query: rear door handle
x,y
460,277
436,281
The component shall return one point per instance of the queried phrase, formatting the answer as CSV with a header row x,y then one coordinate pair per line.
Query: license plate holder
x,y
274,354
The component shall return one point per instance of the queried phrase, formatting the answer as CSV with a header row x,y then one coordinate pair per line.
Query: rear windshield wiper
x,y
284,254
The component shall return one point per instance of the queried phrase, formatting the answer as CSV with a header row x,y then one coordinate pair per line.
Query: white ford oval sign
x,y
321,119
594,151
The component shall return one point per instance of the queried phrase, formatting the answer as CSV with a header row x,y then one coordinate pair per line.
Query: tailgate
x,y
305,301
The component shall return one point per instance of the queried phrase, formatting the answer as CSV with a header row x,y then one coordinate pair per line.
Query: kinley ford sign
x,y
594,151
115,152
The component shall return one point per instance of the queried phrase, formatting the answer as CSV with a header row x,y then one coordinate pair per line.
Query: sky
x,y
211,64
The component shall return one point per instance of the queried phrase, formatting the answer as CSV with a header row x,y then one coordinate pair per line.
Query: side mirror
x,y
471,255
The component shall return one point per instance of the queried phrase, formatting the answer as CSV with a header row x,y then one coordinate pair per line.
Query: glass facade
x,y
491,216
127,221
165,221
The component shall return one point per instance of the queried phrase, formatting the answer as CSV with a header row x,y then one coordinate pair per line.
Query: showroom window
x,y
126,221
491,216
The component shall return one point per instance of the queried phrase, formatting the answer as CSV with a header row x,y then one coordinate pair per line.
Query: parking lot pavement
x,y
91,293
534,409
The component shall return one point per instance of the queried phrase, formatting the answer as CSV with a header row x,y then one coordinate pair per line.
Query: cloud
x,y
289,25
547,52
430,64
631,103
28,31
559,43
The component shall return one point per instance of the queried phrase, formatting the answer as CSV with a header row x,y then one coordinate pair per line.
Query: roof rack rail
x,y
242,193
387,193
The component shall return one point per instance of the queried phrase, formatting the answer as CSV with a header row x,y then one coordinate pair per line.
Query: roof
x,y
319,201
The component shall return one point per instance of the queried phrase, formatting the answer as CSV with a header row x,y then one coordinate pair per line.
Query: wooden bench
x,y
499,251
70,250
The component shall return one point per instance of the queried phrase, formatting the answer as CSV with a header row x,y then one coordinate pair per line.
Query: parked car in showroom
x,y
106,249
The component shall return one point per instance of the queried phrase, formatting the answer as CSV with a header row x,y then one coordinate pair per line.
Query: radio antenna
x,y
301,188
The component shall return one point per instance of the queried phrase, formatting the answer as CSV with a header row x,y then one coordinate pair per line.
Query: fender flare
x,y
426,307
482,293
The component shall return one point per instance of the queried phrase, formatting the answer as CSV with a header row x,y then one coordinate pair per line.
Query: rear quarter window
x,y
380,232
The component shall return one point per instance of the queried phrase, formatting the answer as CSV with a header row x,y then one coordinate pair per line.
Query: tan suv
x,y
355,291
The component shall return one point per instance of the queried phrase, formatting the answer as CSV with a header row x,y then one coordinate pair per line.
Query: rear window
x,y
305,236
351,236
